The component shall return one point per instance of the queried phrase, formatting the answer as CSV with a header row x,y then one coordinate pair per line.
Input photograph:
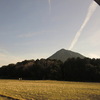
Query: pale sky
x,y
35,29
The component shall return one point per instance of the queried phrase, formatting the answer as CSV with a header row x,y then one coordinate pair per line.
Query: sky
x,y
35,29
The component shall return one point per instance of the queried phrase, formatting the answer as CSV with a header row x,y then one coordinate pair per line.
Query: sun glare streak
x,y
90,12
49,6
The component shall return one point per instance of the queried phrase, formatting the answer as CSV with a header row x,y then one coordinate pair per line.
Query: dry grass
x,y
50,90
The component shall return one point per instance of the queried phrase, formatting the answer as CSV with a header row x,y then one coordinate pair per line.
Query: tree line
x,y
73,69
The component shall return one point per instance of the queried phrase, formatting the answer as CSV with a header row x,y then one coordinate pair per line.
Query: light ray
x,y
90,12
49,6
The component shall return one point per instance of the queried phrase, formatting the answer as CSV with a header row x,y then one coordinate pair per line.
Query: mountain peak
x,y
62,49
64,54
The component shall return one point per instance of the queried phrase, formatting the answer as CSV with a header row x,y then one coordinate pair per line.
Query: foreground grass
x,y
49,90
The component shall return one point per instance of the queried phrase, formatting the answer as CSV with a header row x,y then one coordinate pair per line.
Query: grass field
x,y
49,90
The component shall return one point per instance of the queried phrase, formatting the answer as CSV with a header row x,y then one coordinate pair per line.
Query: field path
x,y
3,97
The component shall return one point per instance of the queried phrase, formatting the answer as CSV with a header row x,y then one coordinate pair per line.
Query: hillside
x,y
75,69
63,55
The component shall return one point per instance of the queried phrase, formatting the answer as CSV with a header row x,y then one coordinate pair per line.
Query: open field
x,y
49,90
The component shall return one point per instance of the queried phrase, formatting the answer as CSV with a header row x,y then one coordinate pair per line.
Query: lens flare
x,y
90,12
49,6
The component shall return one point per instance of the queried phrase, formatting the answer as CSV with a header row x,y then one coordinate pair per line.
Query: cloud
x,y
92,39
7,58
90,12
28,35
93,55
95,38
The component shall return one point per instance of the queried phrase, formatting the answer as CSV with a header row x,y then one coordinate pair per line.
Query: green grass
x,y
50,90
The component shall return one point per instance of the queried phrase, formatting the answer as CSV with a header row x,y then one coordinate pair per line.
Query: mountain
x,y
63,55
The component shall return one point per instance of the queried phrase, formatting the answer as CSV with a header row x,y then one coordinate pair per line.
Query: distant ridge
x,y
63,55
